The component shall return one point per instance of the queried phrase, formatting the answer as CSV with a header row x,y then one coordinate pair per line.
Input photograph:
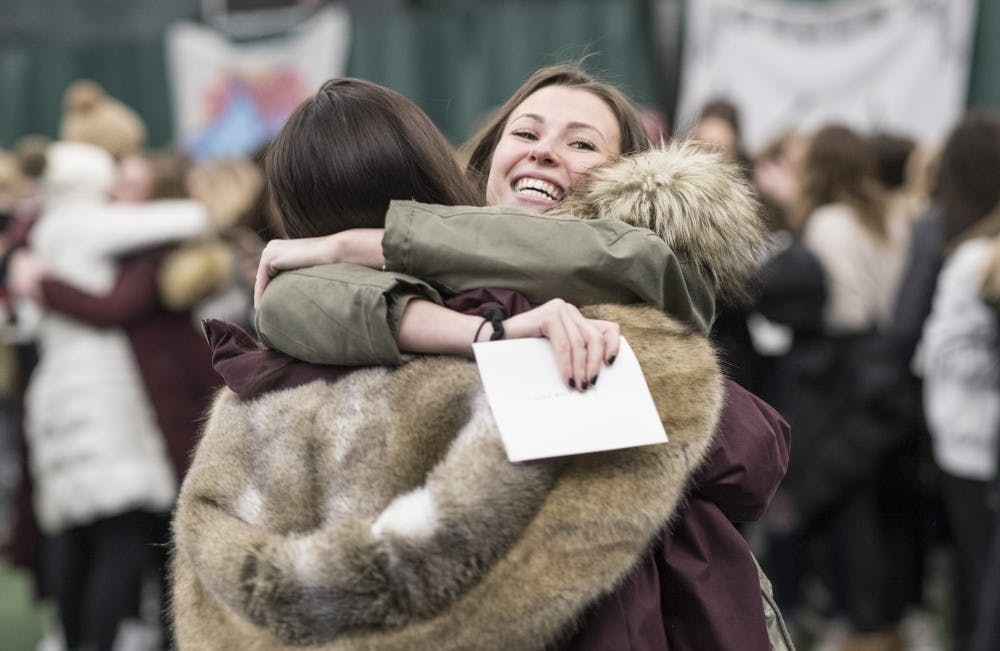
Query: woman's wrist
x,y
362,246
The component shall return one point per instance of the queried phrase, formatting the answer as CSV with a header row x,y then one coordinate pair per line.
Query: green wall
x,y
457,60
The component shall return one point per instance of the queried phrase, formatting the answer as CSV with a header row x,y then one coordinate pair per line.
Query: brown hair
x,y
482,145
968,175
167,175
722,109
840,167
346,152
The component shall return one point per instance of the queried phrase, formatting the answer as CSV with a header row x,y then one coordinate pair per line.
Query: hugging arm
x,y
350,315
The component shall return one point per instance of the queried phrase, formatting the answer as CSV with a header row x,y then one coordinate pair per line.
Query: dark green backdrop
x,y
455,59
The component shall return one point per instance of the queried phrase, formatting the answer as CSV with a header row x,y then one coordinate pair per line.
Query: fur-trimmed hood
x,y
380,511
702,206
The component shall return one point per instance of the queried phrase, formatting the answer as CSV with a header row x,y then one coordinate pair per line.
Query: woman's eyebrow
x,y
531,116
572,125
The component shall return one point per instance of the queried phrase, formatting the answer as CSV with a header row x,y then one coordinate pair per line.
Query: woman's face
x,y
549,142
134,181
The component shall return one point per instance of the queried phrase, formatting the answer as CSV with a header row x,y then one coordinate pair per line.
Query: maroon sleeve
x,y
709,578
711,592
16,234
748,458
134,296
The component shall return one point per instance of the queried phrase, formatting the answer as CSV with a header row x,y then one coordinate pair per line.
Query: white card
x,y
541,417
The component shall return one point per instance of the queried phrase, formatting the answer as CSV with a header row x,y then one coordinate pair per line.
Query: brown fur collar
x,y
380,512
702,206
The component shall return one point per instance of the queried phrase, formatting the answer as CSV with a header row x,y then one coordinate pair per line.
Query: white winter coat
x,y
960,363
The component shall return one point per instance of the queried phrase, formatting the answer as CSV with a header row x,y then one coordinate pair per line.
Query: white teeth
x,y
538,187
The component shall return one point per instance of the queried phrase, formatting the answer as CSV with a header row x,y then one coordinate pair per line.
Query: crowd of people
x,y
843,432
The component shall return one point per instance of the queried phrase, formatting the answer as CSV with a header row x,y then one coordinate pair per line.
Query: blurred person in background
x,y
100,451
149,304
22,548
907,486
986,631
959,359
718,127
98,459
846,227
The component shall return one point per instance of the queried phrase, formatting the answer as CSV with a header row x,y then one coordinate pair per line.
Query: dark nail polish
x,y
612,360
593,380
572,383
584,385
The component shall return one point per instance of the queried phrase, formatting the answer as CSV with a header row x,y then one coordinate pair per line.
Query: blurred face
x,y
549,142
717,133
134,181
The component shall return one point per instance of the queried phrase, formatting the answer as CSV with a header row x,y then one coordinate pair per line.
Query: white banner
x,y
229,99
900,66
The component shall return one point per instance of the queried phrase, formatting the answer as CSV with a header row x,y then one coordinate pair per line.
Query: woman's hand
x,y
581,345
24,275
359,246
281,255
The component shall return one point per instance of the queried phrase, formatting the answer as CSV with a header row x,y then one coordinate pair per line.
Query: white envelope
x,y
540,417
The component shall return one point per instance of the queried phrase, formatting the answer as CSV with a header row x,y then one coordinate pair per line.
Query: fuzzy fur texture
x,y
380,512
702,206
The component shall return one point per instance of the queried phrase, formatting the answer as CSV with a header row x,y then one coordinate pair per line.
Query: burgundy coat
x,y
698,587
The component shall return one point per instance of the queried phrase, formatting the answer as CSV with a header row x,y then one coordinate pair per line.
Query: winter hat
x,y
90,115
77,170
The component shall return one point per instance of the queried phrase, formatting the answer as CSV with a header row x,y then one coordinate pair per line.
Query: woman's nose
x,y
543,151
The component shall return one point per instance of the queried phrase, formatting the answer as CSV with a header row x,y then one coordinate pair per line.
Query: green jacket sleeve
x,y
457,248
338,313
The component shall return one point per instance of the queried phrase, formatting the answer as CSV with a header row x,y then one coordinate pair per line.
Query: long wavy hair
x,y
968,179
841,167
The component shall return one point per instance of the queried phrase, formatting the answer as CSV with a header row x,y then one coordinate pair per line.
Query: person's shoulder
x,y
830,216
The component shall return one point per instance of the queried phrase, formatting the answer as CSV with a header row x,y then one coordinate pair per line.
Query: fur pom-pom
x,y
702,206
92,116
194,271
83,95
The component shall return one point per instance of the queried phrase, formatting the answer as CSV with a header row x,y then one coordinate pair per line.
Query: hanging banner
x,y
900,66
229,99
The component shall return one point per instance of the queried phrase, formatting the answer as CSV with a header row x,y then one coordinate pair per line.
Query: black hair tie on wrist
x,y
494,317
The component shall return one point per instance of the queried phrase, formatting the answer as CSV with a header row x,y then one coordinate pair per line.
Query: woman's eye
x,y
526,135
583,144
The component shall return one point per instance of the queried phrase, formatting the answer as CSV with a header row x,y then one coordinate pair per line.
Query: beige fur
x,y
193,271
274,539
702,206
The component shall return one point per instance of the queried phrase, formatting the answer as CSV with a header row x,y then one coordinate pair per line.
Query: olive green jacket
x,y
347,314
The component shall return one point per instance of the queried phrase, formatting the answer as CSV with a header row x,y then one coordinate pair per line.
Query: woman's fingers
x,y
282,255
612,339
578,337
581,346
266,269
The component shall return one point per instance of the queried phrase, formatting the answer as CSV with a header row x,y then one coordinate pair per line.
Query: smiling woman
x,y
543,151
